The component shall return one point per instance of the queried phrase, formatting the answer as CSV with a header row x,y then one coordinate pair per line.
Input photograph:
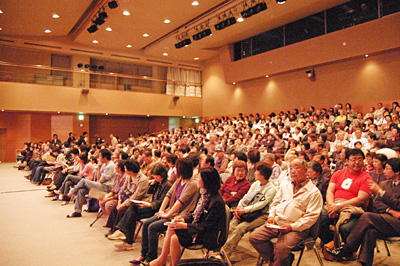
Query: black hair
x,y
132,165
210,160
264,170
105,154
354,152
159,169
211,180
316,166
253,156
395,164
184,168
241,156
84,157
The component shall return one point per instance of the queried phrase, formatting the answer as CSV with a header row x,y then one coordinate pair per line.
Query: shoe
x,y
28,177
144,263
74,214
339,252
123,246
108,233
117,235
136,262
50,195
55,198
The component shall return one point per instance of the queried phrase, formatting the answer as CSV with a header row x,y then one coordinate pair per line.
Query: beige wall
x,y
32,97
368,38
343,74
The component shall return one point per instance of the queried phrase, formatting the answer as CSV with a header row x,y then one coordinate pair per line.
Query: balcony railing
x,y
85,78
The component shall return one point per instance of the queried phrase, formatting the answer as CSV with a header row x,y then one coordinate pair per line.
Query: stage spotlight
x,y
80,65
280,2
246,13
201,34
87,65
103,15
183,43
92,29
101,67
225,23
93,67
113,4
99,21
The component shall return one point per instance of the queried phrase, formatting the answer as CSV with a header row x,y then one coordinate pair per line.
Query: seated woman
x,y
206,226
86,170
236,186
252,210
111,199
181,198
314,173
59,178
135,188
379,162
158,188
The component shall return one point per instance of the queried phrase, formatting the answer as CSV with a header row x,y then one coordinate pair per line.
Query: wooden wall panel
x,y
61,125
118,125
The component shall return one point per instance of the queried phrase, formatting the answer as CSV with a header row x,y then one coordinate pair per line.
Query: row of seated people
x,y
348,189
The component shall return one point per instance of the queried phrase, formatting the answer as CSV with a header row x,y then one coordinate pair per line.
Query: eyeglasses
x,y
356,160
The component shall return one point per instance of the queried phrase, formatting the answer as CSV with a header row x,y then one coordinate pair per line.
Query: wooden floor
x,y
36,232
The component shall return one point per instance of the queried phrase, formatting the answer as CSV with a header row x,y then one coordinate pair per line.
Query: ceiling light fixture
x,y
95,41
112,4
1,11
55,16
281,2
129,46
195,3
167,21
146,35
47,31
240,19
196,58
126,13
165,54
108,29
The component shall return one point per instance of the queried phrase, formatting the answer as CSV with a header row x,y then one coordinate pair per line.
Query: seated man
x,y
105,181
252,210
385,223
347,190
295,208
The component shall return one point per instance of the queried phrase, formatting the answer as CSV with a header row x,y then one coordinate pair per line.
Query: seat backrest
x,y
224,177
314,230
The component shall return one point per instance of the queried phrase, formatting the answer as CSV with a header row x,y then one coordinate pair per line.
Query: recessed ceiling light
x,y
165,54
126,13
146,35
47,31
234,83
195,3
56,16
58,112
344,43
2,110
148,115
167,21
267,76
129,46
366,55
95,41
106,113
108,29
1,11
196,58
0,28
240,19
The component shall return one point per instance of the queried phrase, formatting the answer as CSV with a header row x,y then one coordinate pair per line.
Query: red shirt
x,y
232,191
348,185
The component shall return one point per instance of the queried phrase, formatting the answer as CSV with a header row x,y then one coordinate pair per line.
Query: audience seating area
x,y
317,136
